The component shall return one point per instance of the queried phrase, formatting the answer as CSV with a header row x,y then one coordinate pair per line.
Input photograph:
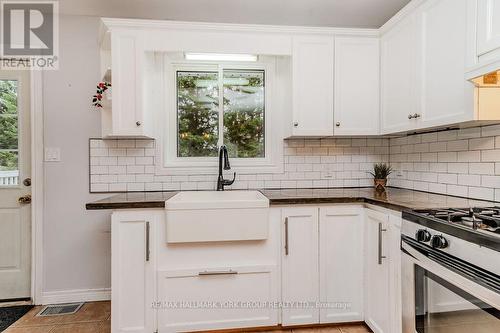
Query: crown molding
x,y
118,23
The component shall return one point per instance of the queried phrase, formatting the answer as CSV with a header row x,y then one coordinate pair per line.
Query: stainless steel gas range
x,y
451,270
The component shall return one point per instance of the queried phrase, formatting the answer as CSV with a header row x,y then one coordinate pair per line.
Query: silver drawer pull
x,y
206,273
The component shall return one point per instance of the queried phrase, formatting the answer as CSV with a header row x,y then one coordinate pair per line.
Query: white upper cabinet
x,y
399,48
126,114
488,26
424,58
446,97
357,86
312,80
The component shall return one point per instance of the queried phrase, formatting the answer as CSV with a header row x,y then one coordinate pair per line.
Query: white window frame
x,y
171,164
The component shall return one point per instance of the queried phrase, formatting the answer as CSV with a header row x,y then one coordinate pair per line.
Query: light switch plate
x,y
52,154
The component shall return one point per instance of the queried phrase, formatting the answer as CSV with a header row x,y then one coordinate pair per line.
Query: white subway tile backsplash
x,y
490,130
458,145
469,180
462,162
482,143
481,193
490,155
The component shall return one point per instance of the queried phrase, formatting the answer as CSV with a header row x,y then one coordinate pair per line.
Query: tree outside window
x,y
8,126
242,113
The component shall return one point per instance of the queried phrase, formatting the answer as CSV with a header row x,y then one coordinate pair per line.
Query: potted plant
x,y
380,173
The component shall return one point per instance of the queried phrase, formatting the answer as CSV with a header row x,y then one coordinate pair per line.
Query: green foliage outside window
x,y
198,113
8,125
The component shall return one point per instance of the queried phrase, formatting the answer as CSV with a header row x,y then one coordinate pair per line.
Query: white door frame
x,y
37,182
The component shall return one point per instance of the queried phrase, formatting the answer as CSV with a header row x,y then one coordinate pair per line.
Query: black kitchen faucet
x,y
221,182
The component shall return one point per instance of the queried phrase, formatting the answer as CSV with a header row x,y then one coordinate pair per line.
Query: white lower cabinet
x,y
326,264
382,262
322,264
341,264
133,270
300,265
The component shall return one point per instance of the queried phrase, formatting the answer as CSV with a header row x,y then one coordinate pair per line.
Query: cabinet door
x,y
341,264
128,113
357,86
300,280
399,76
377,282
312,67
488,26
394,248
133,271
446,97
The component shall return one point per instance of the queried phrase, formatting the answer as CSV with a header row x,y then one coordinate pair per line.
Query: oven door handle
x,y
476,285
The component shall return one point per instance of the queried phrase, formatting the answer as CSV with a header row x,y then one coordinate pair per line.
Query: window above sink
x,y
212,103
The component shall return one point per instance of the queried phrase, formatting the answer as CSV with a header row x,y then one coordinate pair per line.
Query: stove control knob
x,y
439,242
423,235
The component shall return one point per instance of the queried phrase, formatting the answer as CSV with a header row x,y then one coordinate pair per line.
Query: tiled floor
x,y
94,317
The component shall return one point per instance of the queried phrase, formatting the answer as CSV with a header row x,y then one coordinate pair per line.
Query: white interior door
x,y
15,162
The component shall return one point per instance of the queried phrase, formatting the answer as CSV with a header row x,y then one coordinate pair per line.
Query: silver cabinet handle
x,y
286,236
147,241
138,123
380,256
337,124
207,273
410,116
414,116
295,124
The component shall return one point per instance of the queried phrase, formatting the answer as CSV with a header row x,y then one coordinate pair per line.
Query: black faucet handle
x,y
230,182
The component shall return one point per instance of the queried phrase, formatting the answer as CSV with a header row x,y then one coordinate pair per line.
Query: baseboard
x,y
79,295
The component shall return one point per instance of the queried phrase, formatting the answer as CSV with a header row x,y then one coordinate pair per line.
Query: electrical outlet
x,y
399,174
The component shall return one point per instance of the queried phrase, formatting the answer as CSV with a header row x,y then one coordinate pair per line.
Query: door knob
x,y
27,182
25,199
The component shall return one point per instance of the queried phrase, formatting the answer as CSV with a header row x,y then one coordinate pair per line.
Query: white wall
x,y
76,248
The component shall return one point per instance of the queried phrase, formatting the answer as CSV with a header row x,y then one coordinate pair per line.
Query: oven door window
x,y
444,308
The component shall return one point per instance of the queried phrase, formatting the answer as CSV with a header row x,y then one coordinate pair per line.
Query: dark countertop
x,y
393,198
132,200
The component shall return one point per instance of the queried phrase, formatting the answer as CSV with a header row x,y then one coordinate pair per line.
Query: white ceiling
x,y
334,13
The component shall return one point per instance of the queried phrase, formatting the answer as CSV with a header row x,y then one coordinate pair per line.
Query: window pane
x,y
8,132
8,161
8,97
197,114
244,113
8,114
9,171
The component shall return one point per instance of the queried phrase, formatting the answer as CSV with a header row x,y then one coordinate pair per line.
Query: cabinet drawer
x,y
207,298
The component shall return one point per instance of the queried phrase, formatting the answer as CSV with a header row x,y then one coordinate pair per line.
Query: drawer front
x,y
210,298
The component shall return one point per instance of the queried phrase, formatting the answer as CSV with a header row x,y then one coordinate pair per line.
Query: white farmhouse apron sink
x,y
211,216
